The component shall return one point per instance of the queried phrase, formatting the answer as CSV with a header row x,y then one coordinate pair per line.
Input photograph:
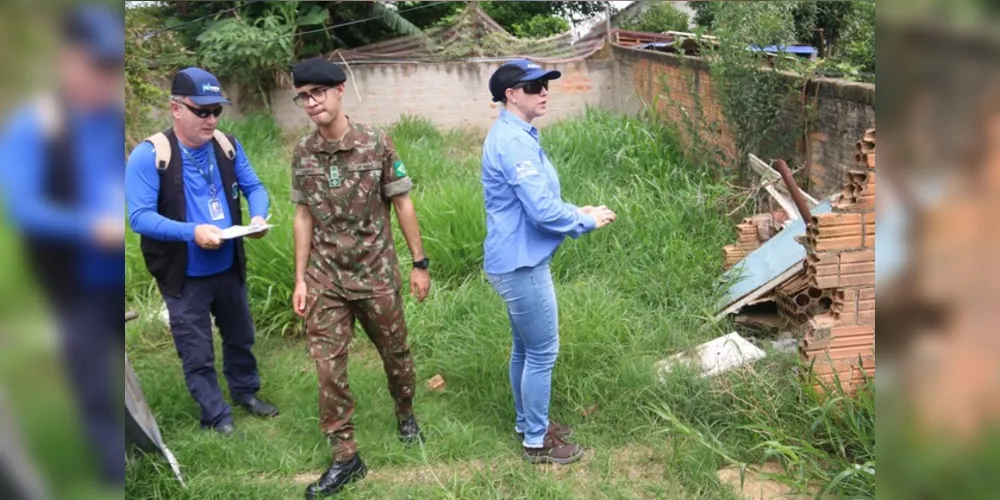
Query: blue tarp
x,y
775,256
791,49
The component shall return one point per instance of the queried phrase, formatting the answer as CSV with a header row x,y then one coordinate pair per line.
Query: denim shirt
x,y
526,217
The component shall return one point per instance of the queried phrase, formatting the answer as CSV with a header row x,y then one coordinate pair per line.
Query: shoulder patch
x,y
400,168
525,169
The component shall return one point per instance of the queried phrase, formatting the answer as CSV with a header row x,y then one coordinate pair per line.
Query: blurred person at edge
x,y
62,177
527,220
179,209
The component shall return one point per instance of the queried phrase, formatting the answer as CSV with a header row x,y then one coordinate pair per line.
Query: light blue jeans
x,y
534,320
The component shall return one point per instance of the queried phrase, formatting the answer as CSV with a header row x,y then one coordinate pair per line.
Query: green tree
x,y
857,47
148,59
758,104
511,15
657,18
540,27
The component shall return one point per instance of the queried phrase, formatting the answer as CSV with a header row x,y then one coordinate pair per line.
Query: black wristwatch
x,y
422,264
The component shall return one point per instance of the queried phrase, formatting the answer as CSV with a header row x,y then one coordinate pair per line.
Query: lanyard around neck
x,y
200,166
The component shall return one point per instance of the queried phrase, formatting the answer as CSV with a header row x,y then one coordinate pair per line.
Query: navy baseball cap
x,y
100,31
200,86
513,72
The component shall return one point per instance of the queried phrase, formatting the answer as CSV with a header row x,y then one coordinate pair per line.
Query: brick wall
x,y
455,95
844,110
451,94
682,91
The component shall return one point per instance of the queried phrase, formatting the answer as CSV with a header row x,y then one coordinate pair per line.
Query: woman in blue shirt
x,y
526,222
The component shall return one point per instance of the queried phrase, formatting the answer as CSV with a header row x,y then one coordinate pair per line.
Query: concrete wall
x,y
682,92
451,94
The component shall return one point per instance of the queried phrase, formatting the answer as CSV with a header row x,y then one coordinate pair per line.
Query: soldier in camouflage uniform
x,y
346,177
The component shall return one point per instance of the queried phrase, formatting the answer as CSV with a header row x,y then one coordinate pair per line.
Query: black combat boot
x,y
409,431
339,474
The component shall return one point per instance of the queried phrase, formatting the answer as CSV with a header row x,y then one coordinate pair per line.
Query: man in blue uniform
x,y
180,206
61,179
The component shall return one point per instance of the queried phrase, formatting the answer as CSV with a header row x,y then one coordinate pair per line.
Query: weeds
x,y
628,296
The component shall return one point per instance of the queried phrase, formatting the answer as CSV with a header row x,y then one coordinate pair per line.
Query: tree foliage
x,y
758,104
250,52
657,18
858,43
540,27
148,59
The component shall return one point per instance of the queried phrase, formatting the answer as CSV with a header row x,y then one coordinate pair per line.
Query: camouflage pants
x,y
329,328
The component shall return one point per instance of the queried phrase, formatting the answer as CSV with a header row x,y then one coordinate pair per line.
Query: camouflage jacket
x,y
348,187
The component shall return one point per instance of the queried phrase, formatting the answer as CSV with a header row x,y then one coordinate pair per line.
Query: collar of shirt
x,y
512,119
320,144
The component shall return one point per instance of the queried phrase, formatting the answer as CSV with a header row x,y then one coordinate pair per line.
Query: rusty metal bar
x,y
793,189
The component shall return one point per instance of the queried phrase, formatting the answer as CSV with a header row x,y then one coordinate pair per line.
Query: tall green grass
x,y
629,295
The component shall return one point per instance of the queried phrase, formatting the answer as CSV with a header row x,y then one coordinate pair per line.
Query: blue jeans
x,y
534,320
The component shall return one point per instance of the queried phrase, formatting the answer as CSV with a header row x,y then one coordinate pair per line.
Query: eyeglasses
x,y
533,87
318,95
203,112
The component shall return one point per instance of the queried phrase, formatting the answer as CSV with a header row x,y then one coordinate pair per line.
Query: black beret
x,y
317,71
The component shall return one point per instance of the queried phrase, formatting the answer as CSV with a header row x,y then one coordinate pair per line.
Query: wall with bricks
x,y
450,94
455,95
843,111
681,91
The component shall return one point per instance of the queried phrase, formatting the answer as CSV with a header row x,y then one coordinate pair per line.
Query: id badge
x,y
215,208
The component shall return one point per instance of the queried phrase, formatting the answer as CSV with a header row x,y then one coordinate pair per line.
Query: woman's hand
x,y
601,214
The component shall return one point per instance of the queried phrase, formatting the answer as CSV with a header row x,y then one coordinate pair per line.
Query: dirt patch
x,y
419,476
756,486
633,466
305,479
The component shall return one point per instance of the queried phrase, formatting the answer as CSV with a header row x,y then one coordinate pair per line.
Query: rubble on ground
x,y
826,298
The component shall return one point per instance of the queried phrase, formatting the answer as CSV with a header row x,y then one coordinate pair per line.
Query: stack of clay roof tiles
x,y
840,261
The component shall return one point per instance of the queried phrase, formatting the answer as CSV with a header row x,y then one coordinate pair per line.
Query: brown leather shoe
x,y
561,431
553,451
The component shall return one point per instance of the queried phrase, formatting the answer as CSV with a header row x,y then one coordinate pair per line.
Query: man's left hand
x,y
258,221
420,283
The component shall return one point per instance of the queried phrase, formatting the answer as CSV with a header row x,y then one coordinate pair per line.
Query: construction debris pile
x,y
826,298
753,232
840,249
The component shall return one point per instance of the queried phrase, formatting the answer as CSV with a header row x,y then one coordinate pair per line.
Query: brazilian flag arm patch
x,y
399,169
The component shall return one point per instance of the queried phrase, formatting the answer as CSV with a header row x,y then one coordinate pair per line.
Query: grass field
x,y
629,295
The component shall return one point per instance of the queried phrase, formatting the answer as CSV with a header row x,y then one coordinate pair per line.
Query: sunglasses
x,y
533,87
203,112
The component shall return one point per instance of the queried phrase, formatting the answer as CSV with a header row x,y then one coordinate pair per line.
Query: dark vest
x,y
56,264
167,260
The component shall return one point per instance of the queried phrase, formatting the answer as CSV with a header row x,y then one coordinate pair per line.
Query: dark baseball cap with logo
x,y
200,86
515,72
97,30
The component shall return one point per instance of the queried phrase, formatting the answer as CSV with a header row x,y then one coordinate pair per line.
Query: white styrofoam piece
x,y
715,356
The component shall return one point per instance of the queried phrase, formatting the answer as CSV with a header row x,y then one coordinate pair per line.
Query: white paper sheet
x,y
241,231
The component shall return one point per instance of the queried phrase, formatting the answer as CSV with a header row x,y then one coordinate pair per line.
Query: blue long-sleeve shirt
x,y
95,142
526,217
142,185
